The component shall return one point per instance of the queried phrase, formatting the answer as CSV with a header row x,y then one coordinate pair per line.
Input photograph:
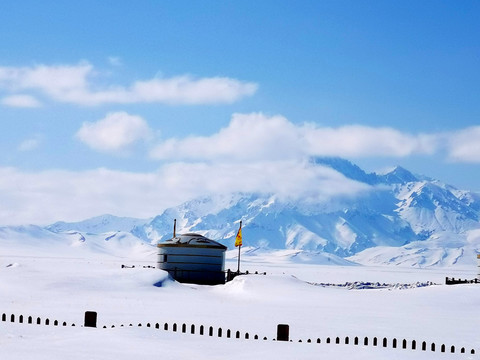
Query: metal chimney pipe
x,y
174,227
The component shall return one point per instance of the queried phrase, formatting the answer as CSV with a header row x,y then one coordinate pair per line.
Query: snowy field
x,y
61,283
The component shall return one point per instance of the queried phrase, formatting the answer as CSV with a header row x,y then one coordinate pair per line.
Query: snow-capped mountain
x,y
402,212
98,224
403,219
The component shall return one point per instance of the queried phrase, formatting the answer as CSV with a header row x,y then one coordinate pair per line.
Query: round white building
x,y
193,258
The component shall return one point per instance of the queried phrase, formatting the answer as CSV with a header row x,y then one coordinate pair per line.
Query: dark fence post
x,y
283,332
90,319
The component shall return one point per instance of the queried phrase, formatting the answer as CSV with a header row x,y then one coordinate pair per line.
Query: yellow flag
x,y
238,239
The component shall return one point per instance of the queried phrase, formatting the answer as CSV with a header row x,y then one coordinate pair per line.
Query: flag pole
x,y
240,245
238,271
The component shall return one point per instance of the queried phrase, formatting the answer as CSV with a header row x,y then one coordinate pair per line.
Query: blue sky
x,y
111,106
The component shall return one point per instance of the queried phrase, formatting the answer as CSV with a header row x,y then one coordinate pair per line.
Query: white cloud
x,y
26,101
464,145
315,182
30,144
360,141
188,90
247,137
253,137
48,196
115,132
53,80
76,84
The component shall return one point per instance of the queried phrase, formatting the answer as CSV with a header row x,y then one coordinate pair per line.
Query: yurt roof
x,y
191,240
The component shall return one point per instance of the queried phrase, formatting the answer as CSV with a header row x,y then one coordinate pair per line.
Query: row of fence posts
x,y
31,320
453,281
140,266
283,333
230,275
202,330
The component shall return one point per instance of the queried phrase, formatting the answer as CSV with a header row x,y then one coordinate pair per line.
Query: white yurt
x,y
192,258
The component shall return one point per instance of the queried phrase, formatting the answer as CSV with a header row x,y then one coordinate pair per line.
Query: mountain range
x,y
403,219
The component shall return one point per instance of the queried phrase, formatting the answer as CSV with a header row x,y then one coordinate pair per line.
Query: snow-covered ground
x,y
61,283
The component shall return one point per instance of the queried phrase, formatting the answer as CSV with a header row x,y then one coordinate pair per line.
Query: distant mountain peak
x,y
398,175
347,168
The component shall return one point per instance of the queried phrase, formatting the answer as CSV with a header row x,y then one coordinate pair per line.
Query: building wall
x,y
191,264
